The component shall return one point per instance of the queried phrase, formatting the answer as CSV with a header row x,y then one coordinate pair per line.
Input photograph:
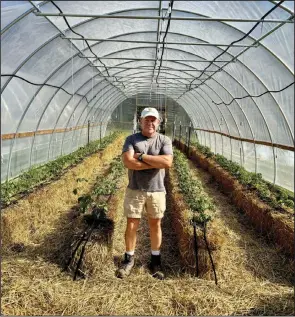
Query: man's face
x,y
149,125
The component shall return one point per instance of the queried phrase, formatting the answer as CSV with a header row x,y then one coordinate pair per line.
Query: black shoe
x,y
156,267
126,266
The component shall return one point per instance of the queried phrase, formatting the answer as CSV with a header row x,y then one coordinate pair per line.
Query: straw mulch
x,y
28,221
181,217
254,278
276,225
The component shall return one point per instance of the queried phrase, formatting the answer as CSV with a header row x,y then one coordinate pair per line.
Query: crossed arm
x,y
130,160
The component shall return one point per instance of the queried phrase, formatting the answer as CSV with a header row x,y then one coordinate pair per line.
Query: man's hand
x,y
130,160
157,161
136,155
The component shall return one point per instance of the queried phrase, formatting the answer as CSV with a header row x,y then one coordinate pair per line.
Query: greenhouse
x,y
76,78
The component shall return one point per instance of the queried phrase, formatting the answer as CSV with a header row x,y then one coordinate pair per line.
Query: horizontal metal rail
x,y
156,42
146,17
19,135
277,145
9,136
151,68
153,59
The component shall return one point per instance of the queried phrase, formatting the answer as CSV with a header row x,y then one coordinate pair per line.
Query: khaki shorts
x,y
136,201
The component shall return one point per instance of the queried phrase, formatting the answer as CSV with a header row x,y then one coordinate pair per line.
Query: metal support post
x,y
179,134
88,134
189,140
100,134
173,131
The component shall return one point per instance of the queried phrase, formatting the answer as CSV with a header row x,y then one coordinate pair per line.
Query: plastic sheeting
x,y
74,87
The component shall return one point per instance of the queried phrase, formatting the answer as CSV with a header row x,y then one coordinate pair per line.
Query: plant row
x,y
192,190
273,195
96,202
35,176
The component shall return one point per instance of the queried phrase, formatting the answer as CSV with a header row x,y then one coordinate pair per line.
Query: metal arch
x,y
176,10
82,112
259,80
91,109
70,116
184,107
23,115
226,123
100,83
255,155
47,105
152,31
27,59
265,125
282,7
256,76
23,15
100,111
224,119
150,47
217,122
192,96
176,79
61,32
242,64
117,101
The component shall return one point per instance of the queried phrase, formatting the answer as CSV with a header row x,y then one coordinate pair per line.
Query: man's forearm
x,y
135,164
158,161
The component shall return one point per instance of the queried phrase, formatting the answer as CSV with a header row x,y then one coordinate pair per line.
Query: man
x,y
146,155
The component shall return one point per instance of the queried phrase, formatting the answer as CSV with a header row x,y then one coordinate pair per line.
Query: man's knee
x,y
132,224
155,224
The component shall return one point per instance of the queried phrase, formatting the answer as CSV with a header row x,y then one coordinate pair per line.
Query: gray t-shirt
x,y
150,180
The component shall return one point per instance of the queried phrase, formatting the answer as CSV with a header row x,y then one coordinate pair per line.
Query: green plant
x,y
273,195
105,185
192,190
36,175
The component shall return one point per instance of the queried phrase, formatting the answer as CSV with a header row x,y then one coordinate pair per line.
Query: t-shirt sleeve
x,y
166,147
128,144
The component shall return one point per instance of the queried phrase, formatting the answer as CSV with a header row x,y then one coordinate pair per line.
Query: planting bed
x,y
253,277
277,224
191,203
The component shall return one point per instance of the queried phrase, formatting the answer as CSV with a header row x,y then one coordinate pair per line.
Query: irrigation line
x,y
239,40
83,250
196,248
85,238
211,259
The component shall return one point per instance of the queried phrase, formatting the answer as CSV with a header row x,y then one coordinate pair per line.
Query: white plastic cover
x,y
53,81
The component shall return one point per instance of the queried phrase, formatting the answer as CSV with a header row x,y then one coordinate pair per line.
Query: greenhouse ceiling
x,y
228,64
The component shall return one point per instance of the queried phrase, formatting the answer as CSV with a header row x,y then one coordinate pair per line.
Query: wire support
x,y
81,36
239,40
53,86
252,96
167,28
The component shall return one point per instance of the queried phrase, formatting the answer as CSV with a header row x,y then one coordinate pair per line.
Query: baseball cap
x,y
150,112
